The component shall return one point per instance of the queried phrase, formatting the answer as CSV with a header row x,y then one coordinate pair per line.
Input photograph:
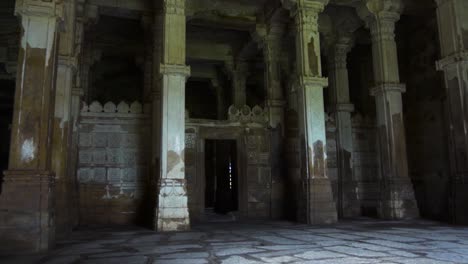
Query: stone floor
x,y
363,241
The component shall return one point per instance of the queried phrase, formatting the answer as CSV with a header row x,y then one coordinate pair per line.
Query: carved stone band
x,y
388,87
171,69
452,59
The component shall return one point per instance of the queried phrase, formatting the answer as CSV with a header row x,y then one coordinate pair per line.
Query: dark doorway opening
x,y
221,185
7,90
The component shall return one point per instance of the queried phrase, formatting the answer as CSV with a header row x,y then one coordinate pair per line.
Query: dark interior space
x,y
221,188
201,101
7,89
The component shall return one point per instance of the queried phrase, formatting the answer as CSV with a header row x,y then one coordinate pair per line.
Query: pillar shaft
x,y
272,54
453,34
397,199
27,200
320,206
172,209
239,82
221,108
342,108
62,126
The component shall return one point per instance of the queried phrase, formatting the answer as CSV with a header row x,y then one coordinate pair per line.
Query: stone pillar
x,y
27,202
397,201
272,55
453,31
239,78
342,108
220,101
62,131
148,72
61,140
320,206
172,209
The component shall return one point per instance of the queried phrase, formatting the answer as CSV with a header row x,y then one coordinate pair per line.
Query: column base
x,y
27,212
322,207
460,206
398,201
172,213
351,203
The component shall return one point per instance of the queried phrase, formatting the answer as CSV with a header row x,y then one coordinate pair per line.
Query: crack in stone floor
x,y
349,242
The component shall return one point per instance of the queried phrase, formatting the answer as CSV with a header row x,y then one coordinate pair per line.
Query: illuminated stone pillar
x,y
397,196
172,208
453,34
27,202
320,206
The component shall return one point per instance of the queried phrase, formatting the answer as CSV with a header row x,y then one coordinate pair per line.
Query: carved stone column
x,y
172,209
27,202
272,55
238,74
453,33
320,206
220,101
62,133
61,140
342,108
398,199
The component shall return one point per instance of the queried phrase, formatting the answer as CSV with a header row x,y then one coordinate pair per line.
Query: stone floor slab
x,y
350,242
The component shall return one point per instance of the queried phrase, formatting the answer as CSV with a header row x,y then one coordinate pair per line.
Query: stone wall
x,y
113,171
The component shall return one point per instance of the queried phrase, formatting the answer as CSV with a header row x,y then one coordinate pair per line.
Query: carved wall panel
x,y
114,155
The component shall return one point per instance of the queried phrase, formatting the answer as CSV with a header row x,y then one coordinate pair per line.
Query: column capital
x,y
68,61
388,87
306,81
344,107
77,91
40,8
442,2
276,103
171,69
174,7
380,16
339,52
444,63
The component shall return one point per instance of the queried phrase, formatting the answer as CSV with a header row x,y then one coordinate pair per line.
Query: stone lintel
x,y
456,58
387,87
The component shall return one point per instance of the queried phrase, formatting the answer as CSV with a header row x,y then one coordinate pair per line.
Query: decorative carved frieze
x,y
110,108
246,114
